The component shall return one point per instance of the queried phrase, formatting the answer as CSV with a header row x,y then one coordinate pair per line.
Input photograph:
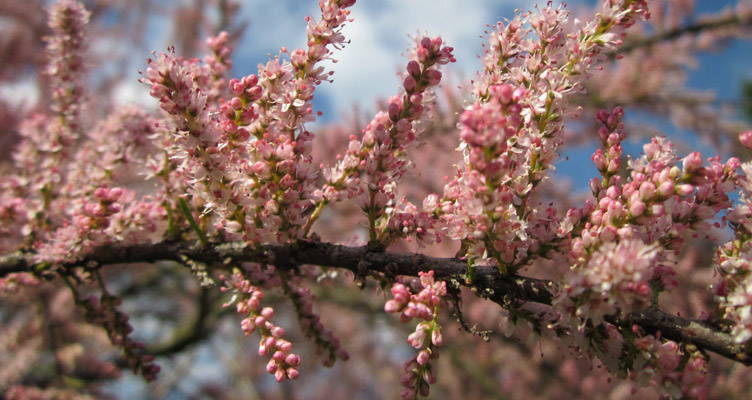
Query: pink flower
x,y
745,138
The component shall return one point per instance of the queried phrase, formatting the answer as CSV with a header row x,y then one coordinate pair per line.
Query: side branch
x,y
488,282
724,21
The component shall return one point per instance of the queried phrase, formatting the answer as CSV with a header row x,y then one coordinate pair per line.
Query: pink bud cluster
x,y
375,162
240,110
104,312
219,64
247,299
95,215
745,138
427,336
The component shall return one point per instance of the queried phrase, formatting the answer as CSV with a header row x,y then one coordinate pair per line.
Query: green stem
x,y
185,209
314,216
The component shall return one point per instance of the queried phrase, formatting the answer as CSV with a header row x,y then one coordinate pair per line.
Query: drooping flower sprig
x,y
247,298
427,338
310,322
103,311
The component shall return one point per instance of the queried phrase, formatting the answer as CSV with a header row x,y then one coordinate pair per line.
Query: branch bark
x,y
488,282
707,24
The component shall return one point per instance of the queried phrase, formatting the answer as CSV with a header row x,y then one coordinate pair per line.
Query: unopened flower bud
x,y
745,138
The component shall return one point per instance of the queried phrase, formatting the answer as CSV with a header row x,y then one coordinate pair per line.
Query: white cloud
x,y
379,35
379,38
24,92
273,24
132,92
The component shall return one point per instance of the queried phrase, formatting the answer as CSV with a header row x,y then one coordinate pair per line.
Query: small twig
x,y
185,209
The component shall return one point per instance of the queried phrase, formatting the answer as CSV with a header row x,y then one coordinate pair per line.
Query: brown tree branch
x,y
488,282
706,24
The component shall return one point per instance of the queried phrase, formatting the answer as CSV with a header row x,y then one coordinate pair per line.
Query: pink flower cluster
x,y
484,194
734,263
406,220
116,149
518,119
88,227
424,306
247,299
196,134
373,163
261,187
13,282
622,252
617,278
13,213
48,144
67,63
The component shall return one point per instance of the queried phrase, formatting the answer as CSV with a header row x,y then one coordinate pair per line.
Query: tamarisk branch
x,y
487,282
